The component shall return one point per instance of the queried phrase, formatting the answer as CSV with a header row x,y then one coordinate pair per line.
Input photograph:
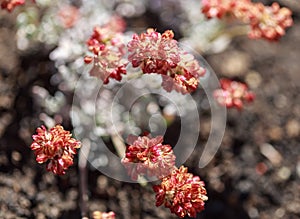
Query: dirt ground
x,y
255,174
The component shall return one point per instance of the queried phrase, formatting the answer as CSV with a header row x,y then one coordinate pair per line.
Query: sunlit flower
x,y
270,22
148,156
182,192
103,215
233,94
9,5
55,145
159,53
154,52
217,8
108,49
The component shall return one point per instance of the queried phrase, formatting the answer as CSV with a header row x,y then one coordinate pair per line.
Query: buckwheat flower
x,y
148,156
182,192
217,8
56,146
103,215
233,94
269,22
184,84
108,50
184,78
154,52
9,5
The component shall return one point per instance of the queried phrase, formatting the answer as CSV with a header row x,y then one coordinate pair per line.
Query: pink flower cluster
x,y
267,22
182,192
9,5
55,145
159,53
145,156
233,94
106,44
179,190
153,52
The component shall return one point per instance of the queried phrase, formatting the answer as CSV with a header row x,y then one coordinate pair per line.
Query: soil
x,y
255,173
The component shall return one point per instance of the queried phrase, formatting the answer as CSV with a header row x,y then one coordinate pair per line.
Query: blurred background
x,y
256,171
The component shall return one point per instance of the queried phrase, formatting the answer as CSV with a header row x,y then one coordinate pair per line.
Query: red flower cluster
x,y
159,53
55,145
233,94
106,44
9,5
268,22
103,215
179,190
145,156
182,192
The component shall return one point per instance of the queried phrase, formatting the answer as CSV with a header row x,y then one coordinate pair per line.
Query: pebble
x,y
271,153
253,79
292,128
284,173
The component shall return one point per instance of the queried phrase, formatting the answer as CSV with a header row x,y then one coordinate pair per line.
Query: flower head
x,y
55,145
148,156
233,94
182,192
154,52
108,48
159,53
217,8
9,5
270,22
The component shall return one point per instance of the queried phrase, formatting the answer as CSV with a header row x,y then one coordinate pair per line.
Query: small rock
x,y
275,133
271,153
292,128
253,79
284,173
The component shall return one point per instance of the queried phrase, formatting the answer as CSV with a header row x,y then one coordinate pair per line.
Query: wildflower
x,y
103,215
9,5
148,156
55,145
217,8
108,50
182,192
270,22
154,52
233,94
159,53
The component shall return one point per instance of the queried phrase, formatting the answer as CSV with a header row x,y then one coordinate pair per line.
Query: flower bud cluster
x,y
152,52
267,22
179,190
9,5
148,157
182,192
55,145
159,53
233,94
108,48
